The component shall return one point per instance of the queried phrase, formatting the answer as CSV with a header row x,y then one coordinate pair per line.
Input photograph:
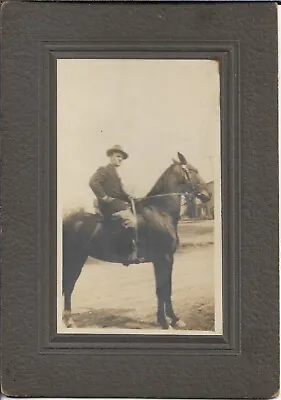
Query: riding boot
x,y
134,256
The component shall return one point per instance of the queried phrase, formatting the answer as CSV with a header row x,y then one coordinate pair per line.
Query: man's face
x,y
116,159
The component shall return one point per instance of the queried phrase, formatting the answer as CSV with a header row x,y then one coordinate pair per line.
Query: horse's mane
x,y
159,183
147,205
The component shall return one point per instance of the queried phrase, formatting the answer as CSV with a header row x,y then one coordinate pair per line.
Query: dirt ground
x,y
113,296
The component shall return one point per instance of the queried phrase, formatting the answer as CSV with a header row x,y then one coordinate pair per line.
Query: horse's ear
x,y
182,159
174,161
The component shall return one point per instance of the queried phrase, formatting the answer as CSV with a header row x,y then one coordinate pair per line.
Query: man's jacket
x,y
106,182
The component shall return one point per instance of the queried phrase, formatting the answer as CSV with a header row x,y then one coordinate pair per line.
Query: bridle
x,y
187,195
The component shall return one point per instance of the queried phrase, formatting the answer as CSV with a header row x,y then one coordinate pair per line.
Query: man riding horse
x,y
113,200
85,235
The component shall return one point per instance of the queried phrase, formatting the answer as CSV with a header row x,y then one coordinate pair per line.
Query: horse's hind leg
x,y
71,272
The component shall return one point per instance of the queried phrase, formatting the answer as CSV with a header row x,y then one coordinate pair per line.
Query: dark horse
x,y
86,234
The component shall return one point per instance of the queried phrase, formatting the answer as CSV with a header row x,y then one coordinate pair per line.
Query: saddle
x,y
124,246
113,222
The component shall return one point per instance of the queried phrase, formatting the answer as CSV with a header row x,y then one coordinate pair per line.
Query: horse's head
x,y
189,179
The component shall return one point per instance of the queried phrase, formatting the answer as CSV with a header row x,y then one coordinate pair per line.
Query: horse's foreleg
x,y
161,279
168,301
175,320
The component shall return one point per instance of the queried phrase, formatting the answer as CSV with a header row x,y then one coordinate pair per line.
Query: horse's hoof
x,y
68,321
179,324
164,325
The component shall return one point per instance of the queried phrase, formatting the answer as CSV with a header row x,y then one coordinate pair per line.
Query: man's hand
x,y
107,199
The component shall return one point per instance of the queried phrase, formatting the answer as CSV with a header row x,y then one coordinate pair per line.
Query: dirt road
x,y
114,296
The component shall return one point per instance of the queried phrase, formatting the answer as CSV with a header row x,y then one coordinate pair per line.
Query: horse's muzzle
x,y
204,196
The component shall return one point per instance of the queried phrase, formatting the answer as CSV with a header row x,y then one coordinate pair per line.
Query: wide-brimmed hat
x,y
118,149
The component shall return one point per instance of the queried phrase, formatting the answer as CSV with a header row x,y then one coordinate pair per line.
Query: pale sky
x,y
152,108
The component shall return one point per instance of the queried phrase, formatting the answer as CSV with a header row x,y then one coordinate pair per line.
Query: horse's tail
x,y
68,238
68,245
64,248
77,230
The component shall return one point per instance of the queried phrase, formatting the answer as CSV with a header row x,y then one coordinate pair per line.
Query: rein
x,y
160,195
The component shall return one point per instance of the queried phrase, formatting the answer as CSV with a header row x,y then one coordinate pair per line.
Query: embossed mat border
x,y
226,55
36,361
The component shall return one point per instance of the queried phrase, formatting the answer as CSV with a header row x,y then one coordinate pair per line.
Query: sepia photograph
x,y
140,200
139,236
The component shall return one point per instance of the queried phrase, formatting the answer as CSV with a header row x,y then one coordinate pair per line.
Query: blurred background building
x,y
193,208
